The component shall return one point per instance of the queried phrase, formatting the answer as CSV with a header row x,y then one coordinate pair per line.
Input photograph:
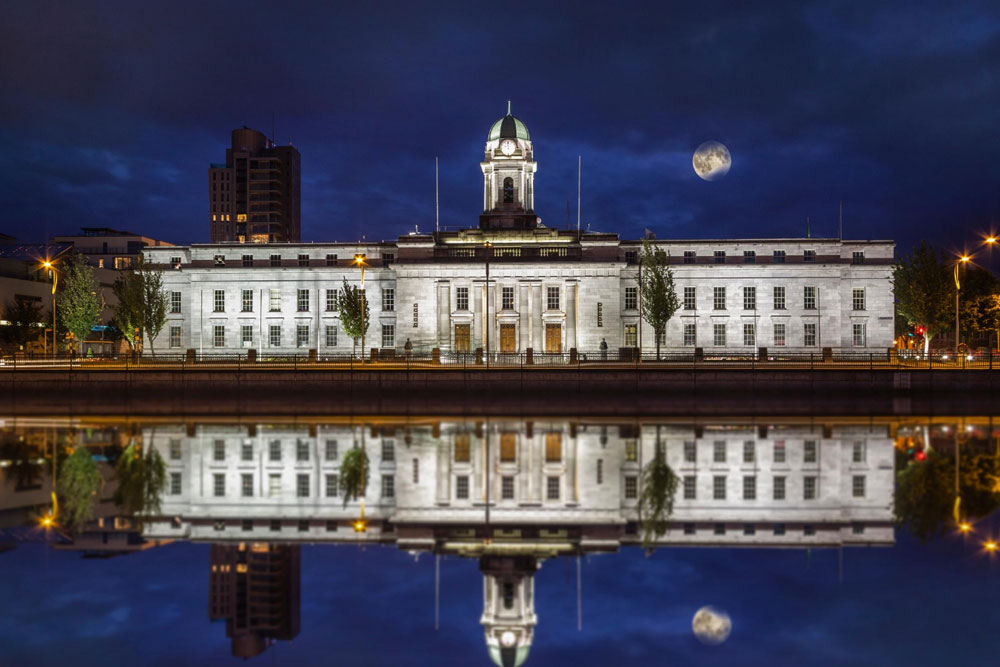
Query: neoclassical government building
x,y
549,290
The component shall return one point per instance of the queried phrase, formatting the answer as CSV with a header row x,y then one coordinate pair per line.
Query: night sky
x,y
908,604
111,112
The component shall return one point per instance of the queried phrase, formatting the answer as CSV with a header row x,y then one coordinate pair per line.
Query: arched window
x,y
508,190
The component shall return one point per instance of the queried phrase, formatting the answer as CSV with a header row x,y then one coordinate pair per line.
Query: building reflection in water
x,y
512,494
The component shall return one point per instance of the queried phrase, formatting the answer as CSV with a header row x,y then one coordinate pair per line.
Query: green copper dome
x,y
509,127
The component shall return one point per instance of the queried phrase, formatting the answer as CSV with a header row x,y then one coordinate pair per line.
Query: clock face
x,y
507,147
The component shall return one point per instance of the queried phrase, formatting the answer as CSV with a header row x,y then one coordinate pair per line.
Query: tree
x,y
24,316
979,310
656,498
924,291
656,290
354,474
141,478
354,314
79,305
142,306
79,481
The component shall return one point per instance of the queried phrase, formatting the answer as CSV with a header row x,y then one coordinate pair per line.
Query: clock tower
x,y
508,177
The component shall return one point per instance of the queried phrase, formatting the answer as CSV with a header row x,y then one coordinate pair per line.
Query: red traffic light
x,y
920,330
920,456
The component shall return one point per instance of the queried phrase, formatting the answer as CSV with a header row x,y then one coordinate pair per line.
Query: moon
x,y
711,626
711,161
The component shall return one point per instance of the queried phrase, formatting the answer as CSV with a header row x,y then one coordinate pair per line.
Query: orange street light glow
x,y
990,546
991,239
965,527
964,258
360,526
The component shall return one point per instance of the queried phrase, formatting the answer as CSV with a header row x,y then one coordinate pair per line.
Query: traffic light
x,y
921,330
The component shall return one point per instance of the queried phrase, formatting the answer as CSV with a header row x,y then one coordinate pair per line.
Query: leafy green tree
x,y
656,288
23,316
79,481
354,314
925,291
656,497
354,474
142,306
79,304
141,477
979,310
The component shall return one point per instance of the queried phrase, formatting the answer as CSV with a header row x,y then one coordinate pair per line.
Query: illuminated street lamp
x,y
361,261
51,268
961,260
990,545
965,527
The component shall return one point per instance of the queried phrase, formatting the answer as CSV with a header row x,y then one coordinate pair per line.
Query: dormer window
x,y
508,190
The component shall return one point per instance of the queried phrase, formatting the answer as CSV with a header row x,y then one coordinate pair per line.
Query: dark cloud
x,y
112,111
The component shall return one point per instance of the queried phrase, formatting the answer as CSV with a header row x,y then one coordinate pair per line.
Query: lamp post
x,y
47,264
961,260
486,324
359,260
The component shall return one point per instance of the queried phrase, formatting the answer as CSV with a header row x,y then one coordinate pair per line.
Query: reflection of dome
x,y
509,657
509,127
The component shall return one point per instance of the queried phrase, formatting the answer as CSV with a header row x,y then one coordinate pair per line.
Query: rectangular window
x,y
749,298
858,329
749,451
690,451
302,486
719,487
219,336
175,302
600,471
388,486
552,298
689,256
247,301
461,298
809,451
809,256
600,314
331,335
779,297
631,298
175,450
175,336
274,485
219,301
388,450
720,257
303,260
719,335
631,257
331,450
302,335
246,452
175,484
858,528
749,334
779,451
174,261
416,471
274,300
689,334
779,334
219,485
778,257
274,335
718,298
219,450
809,297
275,260
388,335
631,337
388,299
809,334
416,315
462,487
508,447
302,302
301,450
507,298
858,486
719,451
332,486
689,529
858,257
246,335
749,257
246,485
690,487
247,261
858,298
331,300
507,488
462,448
274,450
553,448
858,453
331,260
631,487
809,487
779,488
779,529
749,529
690,301
749,487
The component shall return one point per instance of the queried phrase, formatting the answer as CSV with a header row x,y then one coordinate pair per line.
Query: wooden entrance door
x,y
553,338
463,337
508,339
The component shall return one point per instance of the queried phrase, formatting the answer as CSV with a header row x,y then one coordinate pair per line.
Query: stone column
x,y
477,314
524,317
444,316
537,342
442,491
571,295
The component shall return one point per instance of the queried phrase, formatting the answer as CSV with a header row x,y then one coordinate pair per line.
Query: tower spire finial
x,y
508,107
